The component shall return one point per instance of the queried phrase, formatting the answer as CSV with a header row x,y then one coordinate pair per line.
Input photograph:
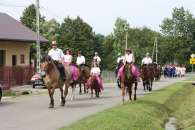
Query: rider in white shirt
x,y
68,57
146,60
55,53
129,57
58,56
80,59
95,70
97,58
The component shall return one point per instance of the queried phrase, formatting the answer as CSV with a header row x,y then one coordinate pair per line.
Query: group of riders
x,y
61,60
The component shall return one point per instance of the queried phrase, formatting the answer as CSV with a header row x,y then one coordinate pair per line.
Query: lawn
x,y
147,113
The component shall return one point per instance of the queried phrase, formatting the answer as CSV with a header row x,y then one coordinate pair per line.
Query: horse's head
x,y
127,71
45,63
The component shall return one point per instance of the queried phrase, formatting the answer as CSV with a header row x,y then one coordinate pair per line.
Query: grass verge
x,y
148,113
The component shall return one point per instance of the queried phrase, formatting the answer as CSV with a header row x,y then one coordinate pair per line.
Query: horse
x,y
94,86
157,72
147,74
84,76
53,80
120,64
126,81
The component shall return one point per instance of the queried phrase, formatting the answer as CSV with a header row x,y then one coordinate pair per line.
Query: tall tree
x,y
180,28
77,35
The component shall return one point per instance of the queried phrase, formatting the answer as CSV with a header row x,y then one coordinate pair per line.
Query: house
x,y
15,42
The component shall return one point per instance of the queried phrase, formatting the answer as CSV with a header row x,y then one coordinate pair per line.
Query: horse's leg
x,y
130,91
144,85
62,96
91,92
85,91
65,92
135,89
80,91
151,85
51,92
73,89
123,92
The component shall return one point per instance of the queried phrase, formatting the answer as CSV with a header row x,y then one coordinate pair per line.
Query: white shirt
x,y
80,60
120,58
97,58
95,71
146,60
67,58
56,54
129,58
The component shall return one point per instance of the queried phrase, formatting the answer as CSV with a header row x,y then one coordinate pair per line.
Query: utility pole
x,y
155,51
126,33
38,37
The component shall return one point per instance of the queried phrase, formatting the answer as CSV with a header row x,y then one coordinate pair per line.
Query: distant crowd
x,y
173,70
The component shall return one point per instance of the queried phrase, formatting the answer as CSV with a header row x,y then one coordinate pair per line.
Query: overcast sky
x,y
101,14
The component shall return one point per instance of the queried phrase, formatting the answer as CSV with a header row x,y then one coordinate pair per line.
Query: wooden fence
x,y
17,75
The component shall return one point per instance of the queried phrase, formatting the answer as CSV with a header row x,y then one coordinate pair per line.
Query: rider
x,y
95,71
58,56
97,58
129,59
74,71
68,57
120,62
146,60
80,59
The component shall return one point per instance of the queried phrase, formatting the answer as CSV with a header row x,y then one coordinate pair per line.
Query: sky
x,y
102,14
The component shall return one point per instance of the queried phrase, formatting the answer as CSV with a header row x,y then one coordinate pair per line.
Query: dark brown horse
x,y
94,86
127,80
157,72
147,74
52,80
84,76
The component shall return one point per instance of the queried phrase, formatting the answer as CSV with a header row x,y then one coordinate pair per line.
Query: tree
x,y
180,30
28,18
121,26
78,36
179,25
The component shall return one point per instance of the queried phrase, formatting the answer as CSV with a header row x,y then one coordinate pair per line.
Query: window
x,y
22,59
2,57
14,61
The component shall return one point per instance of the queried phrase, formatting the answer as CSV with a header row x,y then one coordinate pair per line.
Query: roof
x,y
13,30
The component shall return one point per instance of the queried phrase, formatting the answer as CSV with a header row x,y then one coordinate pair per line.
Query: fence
x,y
17,75
108,76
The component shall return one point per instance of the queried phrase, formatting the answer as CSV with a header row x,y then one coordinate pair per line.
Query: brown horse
x,y
94,86
84,76
52,80
127,80
147,74
157,72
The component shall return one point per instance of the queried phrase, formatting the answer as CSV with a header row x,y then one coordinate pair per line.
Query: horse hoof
x,y
51,106
62,104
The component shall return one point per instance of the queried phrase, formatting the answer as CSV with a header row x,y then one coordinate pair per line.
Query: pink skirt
x,y
99,80
74,71
134,71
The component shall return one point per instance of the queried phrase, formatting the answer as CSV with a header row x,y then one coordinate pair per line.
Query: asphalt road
x,y
32,112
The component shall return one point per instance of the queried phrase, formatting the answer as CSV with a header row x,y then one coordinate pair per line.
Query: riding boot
x,y
62,71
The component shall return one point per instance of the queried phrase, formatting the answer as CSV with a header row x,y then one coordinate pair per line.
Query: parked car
x,y
37,80
0,93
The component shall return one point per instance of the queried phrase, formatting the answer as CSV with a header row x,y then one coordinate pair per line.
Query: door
x,y
14,60
2,57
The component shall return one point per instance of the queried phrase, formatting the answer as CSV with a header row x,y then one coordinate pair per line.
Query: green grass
x,y
9,93
147,113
